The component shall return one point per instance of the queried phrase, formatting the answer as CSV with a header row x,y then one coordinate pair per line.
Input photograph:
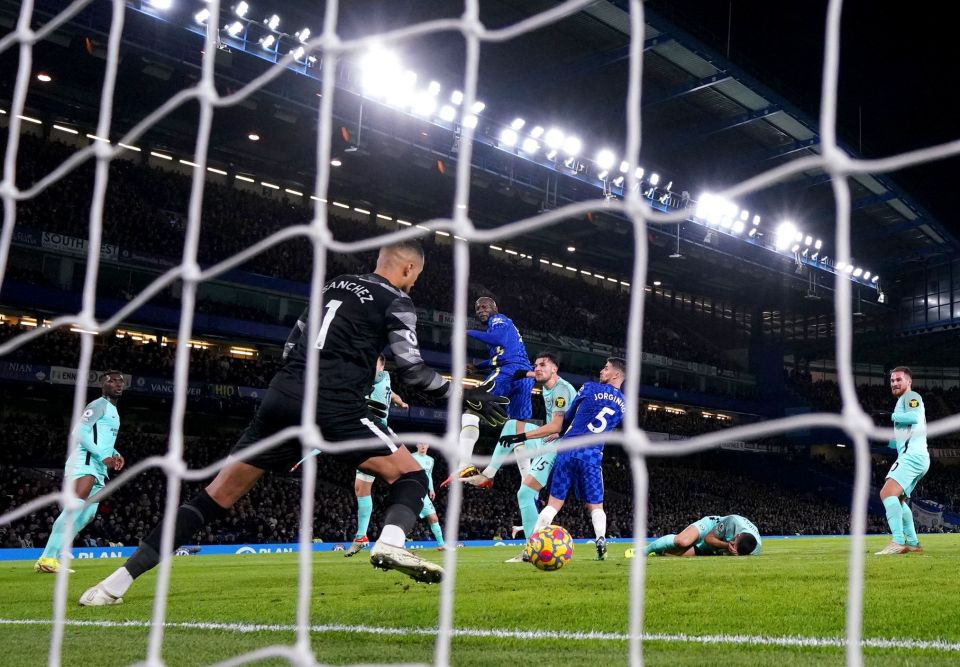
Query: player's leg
x,y
917,467
60,538
500,452
470,429
519,392
890,496
560,482
535,480
682,544
592,484
429,513
362,488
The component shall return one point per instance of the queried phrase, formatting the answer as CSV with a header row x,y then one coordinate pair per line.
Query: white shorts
x,y
364,477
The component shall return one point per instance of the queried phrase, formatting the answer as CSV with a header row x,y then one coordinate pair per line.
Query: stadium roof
x,y
707,124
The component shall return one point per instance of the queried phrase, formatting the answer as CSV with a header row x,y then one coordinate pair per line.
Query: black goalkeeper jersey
x,y
361,316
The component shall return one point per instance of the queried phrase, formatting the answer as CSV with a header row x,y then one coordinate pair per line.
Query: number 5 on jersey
x,y
602,418
329,312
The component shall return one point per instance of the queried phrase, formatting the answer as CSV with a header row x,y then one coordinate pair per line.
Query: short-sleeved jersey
x,y
597,408
361,315
910,425
382,392
426,462
728,527
504,343
559,398
97,436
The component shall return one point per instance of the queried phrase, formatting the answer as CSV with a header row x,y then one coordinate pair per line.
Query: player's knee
x,y
409,490
525,493
683,541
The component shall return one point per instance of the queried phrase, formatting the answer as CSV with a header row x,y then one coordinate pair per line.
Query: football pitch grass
x,y
731,611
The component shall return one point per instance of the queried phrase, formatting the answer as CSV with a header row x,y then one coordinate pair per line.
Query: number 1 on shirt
x,y
330,311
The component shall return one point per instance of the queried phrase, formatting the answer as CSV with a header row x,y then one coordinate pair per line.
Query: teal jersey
x,y
559,398
910,425
97,436
382,392
732,525
426,462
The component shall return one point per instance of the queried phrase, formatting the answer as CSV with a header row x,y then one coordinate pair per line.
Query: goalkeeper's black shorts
x,y
279,411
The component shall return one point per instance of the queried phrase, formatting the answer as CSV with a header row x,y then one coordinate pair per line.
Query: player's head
x,y
112,383
901,381
381,363
484,308
744,543
422,448
401,263
613,371
545,367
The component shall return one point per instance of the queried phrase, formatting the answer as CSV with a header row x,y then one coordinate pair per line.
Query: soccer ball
x,y
550,548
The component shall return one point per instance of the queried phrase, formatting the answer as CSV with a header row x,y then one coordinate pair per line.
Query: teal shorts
x,y
98,472
908,470
704,526
428,508
540,464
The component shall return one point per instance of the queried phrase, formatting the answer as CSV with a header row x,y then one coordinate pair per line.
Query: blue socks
x,y
527,499
909,530
659,545
364,510
895,518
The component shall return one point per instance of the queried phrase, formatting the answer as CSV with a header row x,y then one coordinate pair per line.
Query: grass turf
x,y
797,588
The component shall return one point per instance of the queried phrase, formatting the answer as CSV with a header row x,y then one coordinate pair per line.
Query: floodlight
x,y
603,174
738,226
268,41
202,16
624,167
433,88
470,121
875,279
654,179
303,35
618,181
380,72
605,159
456,97
553,138
530,145
536,132
508,137
866,275
840,265
241,9
162,5
704,206
298,52
756,220
552,154
785,234
799,236
752,232
478,107
848,268
639,173
425,104
447,113
517,124
857,272
235,28
572,146
744,214
808,240
273,22
818,244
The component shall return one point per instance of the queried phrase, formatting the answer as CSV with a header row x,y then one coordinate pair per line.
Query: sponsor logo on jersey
x,y
560,402
914,403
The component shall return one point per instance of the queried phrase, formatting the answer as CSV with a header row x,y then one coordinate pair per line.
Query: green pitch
x,y
796,589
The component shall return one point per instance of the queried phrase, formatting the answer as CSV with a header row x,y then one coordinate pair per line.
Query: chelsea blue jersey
x,y
504,344
597,408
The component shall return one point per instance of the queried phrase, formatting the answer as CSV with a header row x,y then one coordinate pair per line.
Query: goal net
x,y
331,52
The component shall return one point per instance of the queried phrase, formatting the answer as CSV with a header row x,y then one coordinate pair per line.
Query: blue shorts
x,y
428,508
583,478
908,470
518,391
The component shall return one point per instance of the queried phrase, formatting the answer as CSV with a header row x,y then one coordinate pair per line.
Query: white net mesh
x,y
832,160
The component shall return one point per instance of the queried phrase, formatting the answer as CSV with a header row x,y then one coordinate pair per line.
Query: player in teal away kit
x,y
429,512
526,438
731,535
88,466
913,461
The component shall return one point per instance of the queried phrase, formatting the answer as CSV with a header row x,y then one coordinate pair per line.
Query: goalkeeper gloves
x,y
519,375
515,439
490,408
378,409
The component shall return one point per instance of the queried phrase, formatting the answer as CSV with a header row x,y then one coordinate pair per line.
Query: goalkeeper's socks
x,y
469,434
909,529
599,519
547,515
660,545
404,504
364,511
118,582
437,533
191,517
895,518
527,500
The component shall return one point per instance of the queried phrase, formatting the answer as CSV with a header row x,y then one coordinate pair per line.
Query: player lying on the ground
x,y
508,367
88,466
361,315
597,408
730,535
913,461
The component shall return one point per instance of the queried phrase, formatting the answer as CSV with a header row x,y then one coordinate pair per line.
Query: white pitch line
x,y
475,633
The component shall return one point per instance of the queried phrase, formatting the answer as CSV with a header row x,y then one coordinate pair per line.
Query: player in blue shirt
x,y
88,465
731,535
508,366
598,408
913,461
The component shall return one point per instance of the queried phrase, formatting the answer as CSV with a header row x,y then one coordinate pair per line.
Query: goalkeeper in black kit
x,y
362,314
